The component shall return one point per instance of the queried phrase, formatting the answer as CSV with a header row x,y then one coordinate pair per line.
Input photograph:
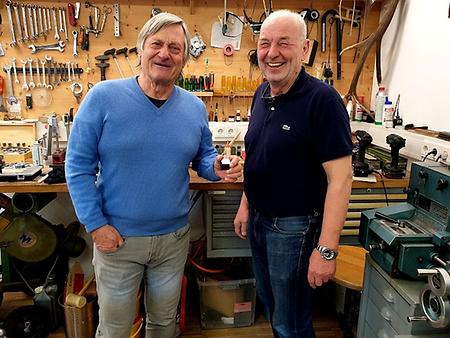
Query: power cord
x,y
384,186
432,152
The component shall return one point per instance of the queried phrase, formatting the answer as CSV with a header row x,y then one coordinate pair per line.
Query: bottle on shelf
x,y
216,112
388,118
380,99
358,110
238,115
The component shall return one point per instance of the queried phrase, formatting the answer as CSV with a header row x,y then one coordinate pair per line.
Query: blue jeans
x,y
281,248
159,260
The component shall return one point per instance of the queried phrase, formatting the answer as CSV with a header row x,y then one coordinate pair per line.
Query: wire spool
x,y
29,239
228,49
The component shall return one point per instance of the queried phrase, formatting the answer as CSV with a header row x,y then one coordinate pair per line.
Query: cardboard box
x,y
228,303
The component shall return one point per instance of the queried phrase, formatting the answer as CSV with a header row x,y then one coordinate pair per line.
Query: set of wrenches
x,y
36,73
31,22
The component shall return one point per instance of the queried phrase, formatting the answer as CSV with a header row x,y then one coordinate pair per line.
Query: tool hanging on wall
x,y
124,51
313,16
255,26
112,52
331,16
102,65
197,45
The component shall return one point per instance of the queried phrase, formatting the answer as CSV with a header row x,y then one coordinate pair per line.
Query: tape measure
x,y
228,49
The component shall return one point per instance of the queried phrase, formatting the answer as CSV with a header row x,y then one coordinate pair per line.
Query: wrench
x,y
31,83
75,41
24,75
49,22
55,74
44,14
55,23
19,27
10,24
65,24
56,46
68,71
11,98
35,20
13,63
61,27
38,84
41,27
49,64
43,74
24,19
30,21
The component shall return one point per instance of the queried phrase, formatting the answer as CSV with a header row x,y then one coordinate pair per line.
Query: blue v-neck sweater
x,y
143,154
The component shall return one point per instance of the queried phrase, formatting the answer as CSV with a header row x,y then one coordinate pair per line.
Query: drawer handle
x,y
388,296
386,314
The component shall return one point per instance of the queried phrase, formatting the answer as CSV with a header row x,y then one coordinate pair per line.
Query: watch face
x,y
327,253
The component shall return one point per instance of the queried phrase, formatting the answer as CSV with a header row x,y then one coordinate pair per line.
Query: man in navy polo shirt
x,y
297,175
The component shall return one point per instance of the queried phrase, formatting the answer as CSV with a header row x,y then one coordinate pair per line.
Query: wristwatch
x,y
327,253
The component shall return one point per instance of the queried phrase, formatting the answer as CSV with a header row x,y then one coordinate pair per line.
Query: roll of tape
x,y
228,50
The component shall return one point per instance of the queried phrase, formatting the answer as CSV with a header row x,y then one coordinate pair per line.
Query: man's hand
x,y
232,174
241,221
320,270
107,239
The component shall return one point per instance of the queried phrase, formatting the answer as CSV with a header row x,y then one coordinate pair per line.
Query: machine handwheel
x,y
26,322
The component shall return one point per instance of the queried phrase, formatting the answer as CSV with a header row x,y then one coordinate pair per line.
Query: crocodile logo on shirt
x,y
286,127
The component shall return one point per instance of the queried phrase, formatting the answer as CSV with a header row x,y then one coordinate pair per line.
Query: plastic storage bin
x,y
229,303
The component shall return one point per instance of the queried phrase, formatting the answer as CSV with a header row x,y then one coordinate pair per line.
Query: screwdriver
x,y
2,86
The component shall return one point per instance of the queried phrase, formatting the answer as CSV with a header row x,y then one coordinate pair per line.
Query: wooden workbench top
x,y
196,183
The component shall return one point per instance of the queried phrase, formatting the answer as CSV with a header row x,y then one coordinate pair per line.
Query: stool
x,y
350,274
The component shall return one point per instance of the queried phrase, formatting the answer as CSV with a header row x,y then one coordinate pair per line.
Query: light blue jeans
x,y
159,260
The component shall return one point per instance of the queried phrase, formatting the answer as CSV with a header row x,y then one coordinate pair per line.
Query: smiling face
x,y
281,50
162,58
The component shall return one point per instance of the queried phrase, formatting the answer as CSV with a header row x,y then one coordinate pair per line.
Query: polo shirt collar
x,y
295,89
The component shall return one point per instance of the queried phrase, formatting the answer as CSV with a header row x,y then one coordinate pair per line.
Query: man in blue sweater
x,y
141,134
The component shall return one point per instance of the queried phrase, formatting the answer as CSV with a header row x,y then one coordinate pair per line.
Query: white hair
x,y
287,14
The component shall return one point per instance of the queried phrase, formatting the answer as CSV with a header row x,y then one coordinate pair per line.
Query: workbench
x,y
222,201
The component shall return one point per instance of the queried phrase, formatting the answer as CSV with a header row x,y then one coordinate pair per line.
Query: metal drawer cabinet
x,y
387,302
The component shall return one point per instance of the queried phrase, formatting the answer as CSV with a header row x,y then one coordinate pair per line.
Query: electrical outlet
x,y
427,151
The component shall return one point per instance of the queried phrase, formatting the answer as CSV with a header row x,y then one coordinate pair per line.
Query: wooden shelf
x,y
203,94
227,94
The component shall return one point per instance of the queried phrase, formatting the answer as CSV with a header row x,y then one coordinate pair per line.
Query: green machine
x,y
412,240
416,234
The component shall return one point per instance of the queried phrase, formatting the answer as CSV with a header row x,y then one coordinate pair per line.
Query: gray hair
x,y
285,14
158,22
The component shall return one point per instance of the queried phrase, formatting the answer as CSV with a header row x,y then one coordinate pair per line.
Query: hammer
x,y
112,52
78,300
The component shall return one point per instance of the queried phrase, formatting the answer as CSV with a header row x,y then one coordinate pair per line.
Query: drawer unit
x,y
387,302
364,199
220,210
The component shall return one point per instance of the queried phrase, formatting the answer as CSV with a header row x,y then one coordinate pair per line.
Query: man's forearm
x,y
335,212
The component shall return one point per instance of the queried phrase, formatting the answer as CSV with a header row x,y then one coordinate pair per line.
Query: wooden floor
x,y
325,321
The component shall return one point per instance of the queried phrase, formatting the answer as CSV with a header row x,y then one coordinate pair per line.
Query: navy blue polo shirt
x,y
288,138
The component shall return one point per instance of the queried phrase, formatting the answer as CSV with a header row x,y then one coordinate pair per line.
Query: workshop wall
x,y
415,54
199,16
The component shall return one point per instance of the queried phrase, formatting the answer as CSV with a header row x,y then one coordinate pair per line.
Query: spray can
x,y
380,98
